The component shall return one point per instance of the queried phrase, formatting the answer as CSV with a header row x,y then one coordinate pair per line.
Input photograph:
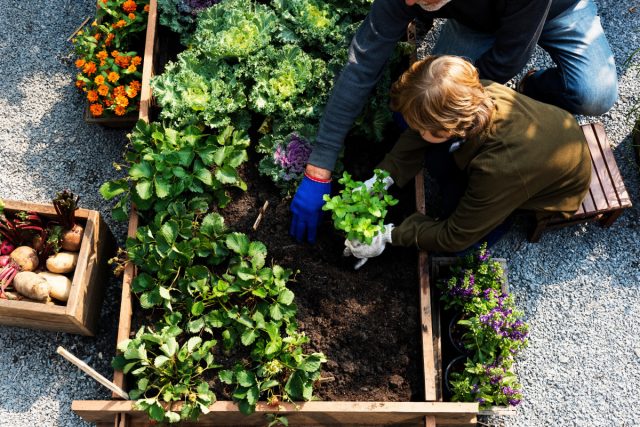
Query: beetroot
x,y
6,248
4,260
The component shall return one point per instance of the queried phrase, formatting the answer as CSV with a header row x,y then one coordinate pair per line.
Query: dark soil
x,y
366,322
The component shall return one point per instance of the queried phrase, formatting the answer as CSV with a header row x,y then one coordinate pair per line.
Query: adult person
x,y
498,36
516,153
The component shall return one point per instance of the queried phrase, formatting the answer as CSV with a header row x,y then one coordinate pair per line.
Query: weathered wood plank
x,y
225,413
621,194
147,64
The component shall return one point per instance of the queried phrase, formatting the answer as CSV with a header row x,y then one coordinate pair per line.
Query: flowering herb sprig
x,y
110,74
494,330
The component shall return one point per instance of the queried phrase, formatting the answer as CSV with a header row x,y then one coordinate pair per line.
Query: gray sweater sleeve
x,y
370,49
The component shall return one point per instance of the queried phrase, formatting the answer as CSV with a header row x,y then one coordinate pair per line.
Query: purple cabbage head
x,y
292,156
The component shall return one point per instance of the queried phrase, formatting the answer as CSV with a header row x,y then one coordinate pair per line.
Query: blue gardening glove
x,y
306,207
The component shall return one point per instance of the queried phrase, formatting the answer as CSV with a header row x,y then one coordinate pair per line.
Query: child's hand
x,y
364,251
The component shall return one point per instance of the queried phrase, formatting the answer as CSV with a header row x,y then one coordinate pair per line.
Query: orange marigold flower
x,y
131,92
122,101
99,80
123,61
121,23
102,55
132,69
96,110
119,91
97,36
120,111
129,6
136,60
113,77
132,16
146,8
103,90
89,68
115,53
80,63
92,96
108,102
136,85
79,84
110,37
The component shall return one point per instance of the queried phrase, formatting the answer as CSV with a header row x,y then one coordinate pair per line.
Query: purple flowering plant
x,y
286,160
495,331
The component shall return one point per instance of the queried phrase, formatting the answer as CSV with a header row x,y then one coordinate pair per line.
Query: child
x,y
491,149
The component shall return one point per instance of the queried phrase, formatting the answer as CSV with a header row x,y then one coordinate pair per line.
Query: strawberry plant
x,y
165,164
218,297
359,211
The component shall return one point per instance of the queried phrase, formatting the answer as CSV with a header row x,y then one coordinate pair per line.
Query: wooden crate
x,y
81,313
225,413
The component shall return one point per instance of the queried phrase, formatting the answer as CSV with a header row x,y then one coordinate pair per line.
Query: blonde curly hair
x,y
443,94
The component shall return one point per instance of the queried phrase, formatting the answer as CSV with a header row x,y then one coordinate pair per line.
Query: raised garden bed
x,y
336,309
82,310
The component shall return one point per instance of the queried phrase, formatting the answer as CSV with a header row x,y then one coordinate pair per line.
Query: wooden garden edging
x,y
429,413
82,310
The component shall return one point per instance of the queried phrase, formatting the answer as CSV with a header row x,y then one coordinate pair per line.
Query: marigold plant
x,y
109,73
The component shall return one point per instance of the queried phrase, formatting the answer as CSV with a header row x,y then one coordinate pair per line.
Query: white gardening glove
x,y
388,182
363,251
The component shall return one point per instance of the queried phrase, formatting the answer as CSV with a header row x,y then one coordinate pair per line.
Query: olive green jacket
x,y
533,157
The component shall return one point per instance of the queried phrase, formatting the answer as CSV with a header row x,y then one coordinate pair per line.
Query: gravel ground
x,y
579,287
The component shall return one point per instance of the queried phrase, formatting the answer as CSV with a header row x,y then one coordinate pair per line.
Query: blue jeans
x,y
584,80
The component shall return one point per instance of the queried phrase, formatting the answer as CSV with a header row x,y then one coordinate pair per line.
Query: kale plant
x,y
357,211
180,15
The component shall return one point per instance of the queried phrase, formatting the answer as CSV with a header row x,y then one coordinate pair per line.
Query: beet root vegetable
x,y
6,247
4,260
26,258
31,285
71,239
7,274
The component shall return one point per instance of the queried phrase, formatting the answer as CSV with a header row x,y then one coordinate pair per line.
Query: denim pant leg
x,y
460,40
585,80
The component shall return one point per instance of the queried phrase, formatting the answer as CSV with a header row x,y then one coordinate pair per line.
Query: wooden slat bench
x,y
607,195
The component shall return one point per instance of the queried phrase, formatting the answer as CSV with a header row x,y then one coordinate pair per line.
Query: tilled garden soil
x,y
366,322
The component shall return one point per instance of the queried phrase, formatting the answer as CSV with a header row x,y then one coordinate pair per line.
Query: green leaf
x,y
204,175
312,363
169,231
286,297
144,189
252,395
170,347
156,412
196,325
111,189
227,175
193,343
141,170
198,308
272,347
172,417
275,311
226,376
160,360
164,293
245,378
142,282
163,187
249,336
238,243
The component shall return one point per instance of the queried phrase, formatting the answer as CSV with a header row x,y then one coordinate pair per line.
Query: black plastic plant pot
x,y
456,332
456,365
